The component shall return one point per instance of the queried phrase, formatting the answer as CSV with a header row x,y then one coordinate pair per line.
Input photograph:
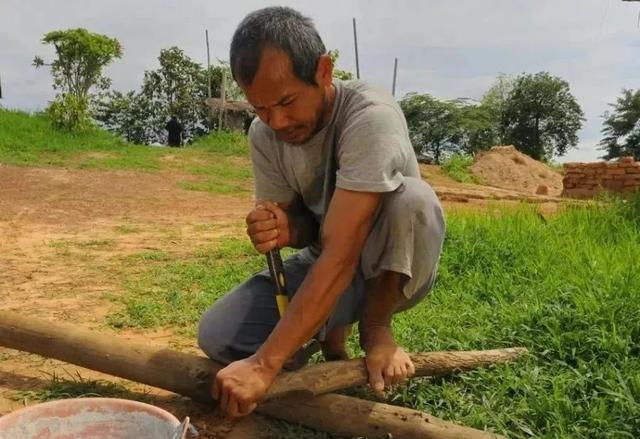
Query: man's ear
x,y
324,71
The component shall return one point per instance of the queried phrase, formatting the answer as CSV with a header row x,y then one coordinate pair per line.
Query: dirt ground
x,y
48,212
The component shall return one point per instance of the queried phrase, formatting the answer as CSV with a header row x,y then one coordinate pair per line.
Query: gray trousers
x,y
406,237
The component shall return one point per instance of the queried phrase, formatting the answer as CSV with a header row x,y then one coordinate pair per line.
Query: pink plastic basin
x,y
89,418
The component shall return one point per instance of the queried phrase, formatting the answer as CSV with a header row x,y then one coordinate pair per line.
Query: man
x,y
175,130
336,176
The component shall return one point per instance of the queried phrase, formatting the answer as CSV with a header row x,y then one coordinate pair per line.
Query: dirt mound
x,y
505,167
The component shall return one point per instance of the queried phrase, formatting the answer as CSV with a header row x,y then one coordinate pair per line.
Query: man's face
x,y
291,107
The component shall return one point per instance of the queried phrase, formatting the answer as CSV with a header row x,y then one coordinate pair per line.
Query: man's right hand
x,y
268,227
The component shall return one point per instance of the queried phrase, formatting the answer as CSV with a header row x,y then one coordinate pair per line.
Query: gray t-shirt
x,y
368,136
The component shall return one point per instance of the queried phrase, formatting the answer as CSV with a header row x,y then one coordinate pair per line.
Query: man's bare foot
x,y
387,363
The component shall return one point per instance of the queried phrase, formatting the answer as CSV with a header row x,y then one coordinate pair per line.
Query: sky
x,y
446,48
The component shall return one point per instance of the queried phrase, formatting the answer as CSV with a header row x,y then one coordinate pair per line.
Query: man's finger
x,y
273,208
232,407
266,246
224,401
269,235
245,405
261,226
259,214
279,214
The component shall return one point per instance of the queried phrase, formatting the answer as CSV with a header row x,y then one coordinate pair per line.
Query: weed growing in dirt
x,y
125,229
567,289
458,167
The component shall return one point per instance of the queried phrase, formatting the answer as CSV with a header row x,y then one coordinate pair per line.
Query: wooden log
x,y
348,416
190,375
178,372
337,375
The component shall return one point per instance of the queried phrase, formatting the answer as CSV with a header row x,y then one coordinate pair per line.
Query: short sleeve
x,y
270,183
371,151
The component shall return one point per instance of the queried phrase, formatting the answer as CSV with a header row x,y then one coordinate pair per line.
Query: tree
x,y
494,102
179,86
433,125
541,117
622,127
128,115
80,57
477,125
337,73
232,90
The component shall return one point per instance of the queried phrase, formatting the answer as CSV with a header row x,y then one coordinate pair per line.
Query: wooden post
x,y
355,43
223,99
395,75
206,34
190,375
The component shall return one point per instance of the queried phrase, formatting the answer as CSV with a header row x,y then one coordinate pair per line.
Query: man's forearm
x,y
309,309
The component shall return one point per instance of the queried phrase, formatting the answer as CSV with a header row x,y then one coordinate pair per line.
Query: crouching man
x,y
335,176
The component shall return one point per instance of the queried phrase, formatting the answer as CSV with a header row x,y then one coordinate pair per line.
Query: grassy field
x,y
219,162
567,289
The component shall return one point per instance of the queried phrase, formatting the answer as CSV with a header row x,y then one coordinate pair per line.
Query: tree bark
x,y
190,375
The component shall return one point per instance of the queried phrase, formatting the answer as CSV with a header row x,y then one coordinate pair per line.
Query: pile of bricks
x,y
584,180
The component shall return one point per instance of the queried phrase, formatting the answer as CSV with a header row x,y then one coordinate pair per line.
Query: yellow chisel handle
x,y
276,269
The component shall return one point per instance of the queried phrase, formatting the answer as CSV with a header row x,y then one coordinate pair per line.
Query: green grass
x,y
76,387
567,289
220,161
177,292
31,140
458,167
224,143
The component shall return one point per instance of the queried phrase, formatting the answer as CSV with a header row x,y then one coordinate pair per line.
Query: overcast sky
x,y
446,48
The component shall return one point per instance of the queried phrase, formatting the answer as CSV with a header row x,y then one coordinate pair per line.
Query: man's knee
x,y
415,199
213,334
238,323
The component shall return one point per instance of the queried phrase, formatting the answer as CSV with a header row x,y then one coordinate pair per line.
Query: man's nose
x,y
277,119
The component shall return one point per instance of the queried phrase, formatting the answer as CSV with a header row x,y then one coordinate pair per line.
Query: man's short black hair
x,y
281,28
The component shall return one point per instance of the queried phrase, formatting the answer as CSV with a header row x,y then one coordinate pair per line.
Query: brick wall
x,y
584,180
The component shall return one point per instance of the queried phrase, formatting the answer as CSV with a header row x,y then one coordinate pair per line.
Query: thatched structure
x,y
236,115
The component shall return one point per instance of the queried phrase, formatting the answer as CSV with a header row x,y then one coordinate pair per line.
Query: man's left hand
x,y
239,386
